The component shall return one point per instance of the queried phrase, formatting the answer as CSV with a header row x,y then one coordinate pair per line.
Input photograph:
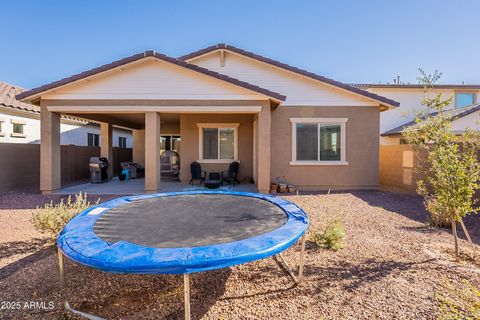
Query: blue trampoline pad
x,y
182,232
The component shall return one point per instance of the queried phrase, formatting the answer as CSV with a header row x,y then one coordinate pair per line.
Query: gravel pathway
x,y
392,267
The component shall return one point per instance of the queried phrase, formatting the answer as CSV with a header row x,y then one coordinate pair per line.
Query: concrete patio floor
x,y
136,186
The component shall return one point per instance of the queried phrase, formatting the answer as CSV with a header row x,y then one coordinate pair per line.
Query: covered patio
x,y
215,119
136,186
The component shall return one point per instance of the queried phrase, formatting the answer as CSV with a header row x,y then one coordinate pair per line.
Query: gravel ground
x,y
392,266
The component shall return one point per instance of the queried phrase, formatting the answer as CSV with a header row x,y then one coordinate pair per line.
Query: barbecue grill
x,y
98,169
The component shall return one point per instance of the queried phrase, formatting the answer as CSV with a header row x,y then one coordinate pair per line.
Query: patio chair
x,y
231,174
197,173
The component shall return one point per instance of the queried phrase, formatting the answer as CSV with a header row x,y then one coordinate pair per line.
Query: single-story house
x,y
20,123
280,122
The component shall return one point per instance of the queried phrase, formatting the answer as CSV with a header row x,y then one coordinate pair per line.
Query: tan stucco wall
x,y
190,139
362,151
397,168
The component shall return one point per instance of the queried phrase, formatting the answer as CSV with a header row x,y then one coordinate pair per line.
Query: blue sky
x,y
350,41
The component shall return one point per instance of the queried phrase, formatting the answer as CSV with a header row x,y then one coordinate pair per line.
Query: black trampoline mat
x,y
189,220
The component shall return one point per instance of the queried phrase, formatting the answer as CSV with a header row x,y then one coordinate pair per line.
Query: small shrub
x,y
331,237
53,217
459,303
437,218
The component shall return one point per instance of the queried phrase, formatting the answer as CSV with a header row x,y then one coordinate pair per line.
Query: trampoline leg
x,y
298,279
61,267
66,305
186,291
302,259
287,267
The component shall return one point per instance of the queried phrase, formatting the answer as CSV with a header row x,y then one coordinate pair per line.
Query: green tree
x,y
448,168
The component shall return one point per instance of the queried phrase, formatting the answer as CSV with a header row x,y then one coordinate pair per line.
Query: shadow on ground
x,y
12,248
16,201
411,206
36,278
351,276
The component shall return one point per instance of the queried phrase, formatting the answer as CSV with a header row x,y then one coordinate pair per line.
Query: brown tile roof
x,y
7,98
292,69
136,57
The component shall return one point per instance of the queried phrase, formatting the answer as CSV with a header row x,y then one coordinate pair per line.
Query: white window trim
x,y
2,121
325,121
20,122
474,93
201,126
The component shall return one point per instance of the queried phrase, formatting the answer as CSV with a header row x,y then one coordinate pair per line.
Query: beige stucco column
x,y
50,170
138,152
106,145
152,151
262,137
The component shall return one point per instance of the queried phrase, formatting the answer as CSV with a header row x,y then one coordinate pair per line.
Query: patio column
x,y
50,166
262,136
138,152
106,145
152,151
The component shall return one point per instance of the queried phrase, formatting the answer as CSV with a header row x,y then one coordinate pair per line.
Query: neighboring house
x,y
410,97
461,119
20,123
224,104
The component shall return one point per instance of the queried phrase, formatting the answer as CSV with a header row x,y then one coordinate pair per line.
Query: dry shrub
x,y
53,217
331,237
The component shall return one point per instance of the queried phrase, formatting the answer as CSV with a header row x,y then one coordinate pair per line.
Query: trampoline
x,y
181,233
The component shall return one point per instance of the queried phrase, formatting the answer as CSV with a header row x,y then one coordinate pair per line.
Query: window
x,y
122,142
218,142
93,139
18,129
1,128
318,141
463,99
169,142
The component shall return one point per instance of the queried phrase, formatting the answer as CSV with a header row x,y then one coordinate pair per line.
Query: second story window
x,y
463,99
93,139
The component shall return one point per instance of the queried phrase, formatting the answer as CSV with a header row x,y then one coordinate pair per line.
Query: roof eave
x,y
37,92
221,46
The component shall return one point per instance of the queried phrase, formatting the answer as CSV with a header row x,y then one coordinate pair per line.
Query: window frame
x,y
120,138
2,126
93,134
319,122
21,123
218,126
474,93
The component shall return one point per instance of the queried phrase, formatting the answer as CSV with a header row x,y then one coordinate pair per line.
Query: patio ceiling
x,y
127,120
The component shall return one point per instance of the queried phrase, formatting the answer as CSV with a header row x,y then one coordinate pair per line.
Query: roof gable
x,y
81,80
196,56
